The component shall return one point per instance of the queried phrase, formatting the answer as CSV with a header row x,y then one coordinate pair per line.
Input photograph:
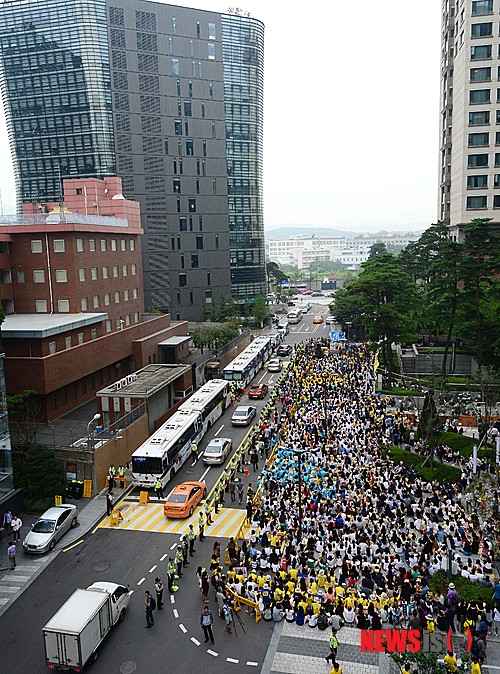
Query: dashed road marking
x,y
176,613
232,660
173,546
163,557
141,581
172,599
195,641
182,628
219,430
153,568
252,664
216,655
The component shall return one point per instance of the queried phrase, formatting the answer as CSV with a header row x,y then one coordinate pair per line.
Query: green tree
x,y
382,300
378,248
24,415
42,475
260,310
428,423
427,663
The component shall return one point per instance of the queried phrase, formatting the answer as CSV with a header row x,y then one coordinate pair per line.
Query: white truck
x,y
73,636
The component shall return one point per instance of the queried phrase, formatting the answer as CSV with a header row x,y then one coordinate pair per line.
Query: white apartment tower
x,y
469,178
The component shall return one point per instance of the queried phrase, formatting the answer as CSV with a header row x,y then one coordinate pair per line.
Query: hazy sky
x,y
351,113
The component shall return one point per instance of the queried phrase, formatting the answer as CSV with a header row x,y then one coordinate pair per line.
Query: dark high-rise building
x,y
168,98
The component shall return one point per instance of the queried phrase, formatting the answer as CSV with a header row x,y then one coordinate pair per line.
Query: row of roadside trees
x,y
436,285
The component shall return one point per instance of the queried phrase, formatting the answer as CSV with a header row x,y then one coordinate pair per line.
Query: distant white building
x,y
300,251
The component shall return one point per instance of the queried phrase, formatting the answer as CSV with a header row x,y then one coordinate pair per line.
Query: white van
x,y
283,326
294,317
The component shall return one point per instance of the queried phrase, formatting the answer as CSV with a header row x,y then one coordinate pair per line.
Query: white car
x,y
274,365
49,528
243,415
329,320
217,450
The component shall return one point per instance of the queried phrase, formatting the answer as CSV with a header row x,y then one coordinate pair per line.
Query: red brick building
x,y
73,296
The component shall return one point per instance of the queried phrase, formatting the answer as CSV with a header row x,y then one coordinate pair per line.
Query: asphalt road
x,y
175,643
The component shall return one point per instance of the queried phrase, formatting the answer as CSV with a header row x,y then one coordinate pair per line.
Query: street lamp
x,y
90,431
299,453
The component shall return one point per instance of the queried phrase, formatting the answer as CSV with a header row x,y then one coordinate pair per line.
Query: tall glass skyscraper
x,y
168,98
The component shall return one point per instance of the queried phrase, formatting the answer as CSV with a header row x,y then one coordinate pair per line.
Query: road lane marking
x,y
216,655
172,599
195,641
141,581
201,478
252,664
182,628
176,613
173,546
232,660
220,429
153,568
163,557
262,377
70,547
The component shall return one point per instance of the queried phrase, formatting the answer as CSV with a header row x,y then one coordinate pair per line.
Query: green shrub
x,y
464,444
406,392
466,590
440,472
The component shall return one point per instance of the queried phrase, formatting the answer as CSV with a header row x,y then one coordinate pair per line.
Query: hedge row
x,y
441,472
467,590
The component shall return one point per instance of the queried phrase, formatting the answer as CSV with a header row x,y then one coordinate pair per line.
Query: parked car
x,y
317,295
184,498
258,391
274,365
284,350
217,450
243,415
318,319
330,319
49,528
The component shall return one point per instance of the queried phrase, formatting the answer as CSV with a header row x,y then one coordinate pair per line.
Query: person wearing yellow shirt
x,y
450,661
339,591
475,667
336,669
294,574
431,628
404,670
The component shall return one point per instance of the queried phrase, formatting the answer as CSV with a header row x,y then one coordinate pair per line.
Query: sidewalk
x,y
29,567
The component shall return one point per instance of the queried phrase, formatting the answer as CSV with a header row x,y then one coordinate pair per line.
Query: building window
x,y
197,185
117,297
199,242
63,306
92,245
20,276
480,74
93,273
217,242
109,326
481,29
38,276
105,272
61,276
41,306
52,347
123,245
476,203
208,295
126,295
477,182
134,293
127,319
210,89
84,304
176,67
189,147
200,223
115,271
482,7
103,245
178,242
203,110
93,333
211,51
214,185
496,201
191,297
79,245
58,245
212,33
81,338
124,270
64,395
36,246
136,317
133,269
188,109
183,224
68,342
476,160
480,52
476,139
132,244
479,96
208,278
204,149
194,261
81,274
106,299
479,118
176,185
182,280
113,245
96,301
192,205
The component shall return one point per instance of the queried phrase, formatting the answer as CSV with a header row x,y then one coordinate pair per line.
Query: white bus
x,y
244,367
211,400
294,317
164,452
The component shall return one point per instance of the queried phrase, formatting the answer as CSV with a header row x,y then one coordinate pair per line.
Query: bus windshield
x,y
151,465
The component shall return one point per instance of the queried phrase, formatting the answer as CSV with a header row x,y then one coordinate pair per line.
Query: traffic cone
x,y
246,470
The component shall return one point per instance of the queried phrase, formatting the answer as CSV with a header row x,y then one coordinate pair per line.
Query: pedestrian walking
x,y
191,537
201,527
334,645
11,554
206,621
159,594
150,603
109,504
159,488
7,519
240,488
16,525
232,489
194,453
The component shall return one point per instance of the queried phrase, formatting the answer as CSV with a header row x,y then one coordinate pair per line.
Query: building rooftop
x,y
38,326
145,382
175,341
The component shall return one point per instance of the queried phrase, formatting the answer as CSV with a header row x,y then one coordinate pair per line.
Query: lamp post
x,y
90,431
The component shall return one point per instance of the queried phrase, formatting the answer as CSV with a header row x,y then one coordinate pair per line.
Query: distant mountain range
x,y
287,232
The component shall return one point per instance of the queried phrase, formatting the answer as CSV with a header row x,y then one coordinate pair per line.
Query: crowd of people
x,y
339,533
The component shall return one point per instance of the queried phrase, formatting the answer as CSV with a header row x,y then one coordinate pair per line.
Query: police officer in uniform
x,y
159,488
191,537
159,594
170,574
179,558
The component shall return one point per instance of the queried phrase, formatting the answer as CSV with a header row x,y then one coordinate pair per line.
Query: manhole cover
x,y
128,667
101,566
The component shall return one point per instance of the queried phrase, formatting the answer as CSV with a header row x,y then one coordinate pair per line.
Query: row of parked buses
x,y
164,452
